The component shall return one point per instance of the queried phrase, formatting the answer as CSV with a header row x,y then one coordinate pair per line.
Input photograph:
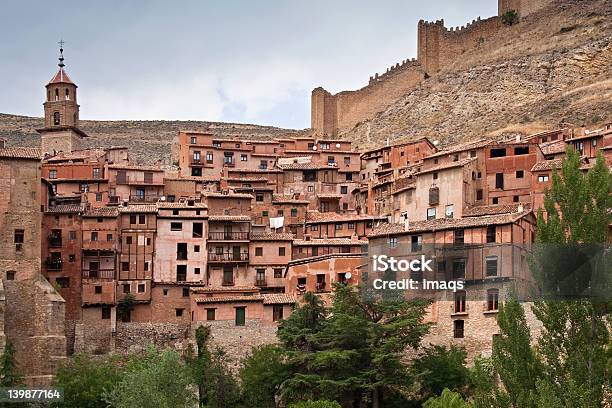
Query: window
x,y
542,179
392,242
264,213
310,189
193,140
126,288
338,226
209,157
19,236
181,273
278,272
343,189
106,312
176,226
132,219
455,157
459,269
196,271
216,144
179,312
165,292
84,187
56,116
197,230
520,174
260,276
210,314
181,251
449,211
416,243
331,161
94,236
196,248
459,236
72,235
501,152
472,153
263,164
431,213
435,175
347,160
259,198
499,180
460,302
495,200
280,213
351,225
141,219
491,234
185,292
98,197
240,316
349,176
324,146
243,157
515,199
277,312
109,237
294,212
175,212
125,266
281,251
458,326
52,174
128,240
594,142
314,227
145,266
491,265
228,275
521,150
72,258
98,289
492,299
258,251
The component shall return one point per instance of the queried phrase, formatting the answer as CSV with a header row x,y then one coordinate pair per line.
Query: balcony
x,y
228,282
55,241
228,236
261,282
113,200
102,274
89,245
139,181
144,198
54,264
228,257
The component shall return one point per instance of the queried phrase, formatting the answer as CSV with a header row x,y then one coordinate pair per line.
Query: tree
x,y
352,351
262,373
574,271
9,377
316,404
510,17
125,307
223,390
157,380
439,368
448,399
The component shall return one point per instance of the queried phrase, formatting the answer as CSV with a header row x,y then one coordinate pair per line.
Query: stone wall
x,y
522,7
131,337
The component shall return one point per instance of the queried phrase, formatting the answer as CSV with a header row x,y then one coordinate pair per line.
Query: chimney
x,y
406,224
520,208
518,138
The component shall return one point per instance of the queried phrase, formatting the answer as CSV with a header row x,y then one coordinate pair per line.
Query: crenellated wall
x,y
437,48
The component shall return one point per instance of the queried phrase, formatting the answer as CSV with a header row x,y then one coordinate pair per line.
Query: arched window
x,y
67,94
56,118
56,94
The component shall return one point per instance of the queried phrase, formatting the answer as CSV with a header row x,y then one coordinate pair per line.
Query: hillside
x,y
148,141
553,67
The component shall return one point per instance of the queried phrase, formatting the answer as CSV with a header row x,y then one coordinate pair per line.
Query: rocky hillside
x,y
148,141
553,67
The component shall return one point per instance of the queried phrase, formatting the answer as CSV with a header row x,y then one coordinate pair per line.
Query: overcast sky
x,y
252,61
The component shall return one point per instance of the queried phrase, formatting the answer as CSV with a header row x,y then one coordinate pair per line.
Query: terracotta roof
x,y
61,78
246,179
316,216
461,147
287,198
91,154
278,299
138,208
247,170
65,208
180,204
591,134
194,178
554,147
230,195
20,153
227,289
101,212
331,196
134,167
229,218
271,236
440,224
445,166
230,298
328,241
547,165
493,209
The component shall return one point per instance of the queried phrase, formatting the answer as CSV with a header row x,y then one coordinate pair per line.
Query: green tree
x,y
157,380
9,377
351,352
439,368
223,390
316,404
510,17
448,399
513,357
261,375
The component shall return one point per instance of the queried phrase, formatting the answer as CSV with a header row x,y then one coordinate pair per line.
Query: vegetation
x,y
510,17
9,377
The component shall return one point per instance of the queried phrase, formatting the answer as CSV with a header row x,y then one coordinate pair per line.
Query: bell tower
x,y
61,132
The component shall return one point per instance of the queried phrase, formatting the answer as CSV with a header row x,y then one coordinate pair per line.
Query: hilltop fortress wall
x,y
437,48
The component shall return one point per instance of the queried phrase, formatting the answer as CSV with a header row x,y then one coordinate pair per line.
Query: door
x,y
240,316
227,232
236,253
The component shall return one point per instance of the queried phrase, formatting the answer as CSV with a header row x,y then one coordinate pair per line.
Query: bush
x,y
441,368
447,399
316,404
510,17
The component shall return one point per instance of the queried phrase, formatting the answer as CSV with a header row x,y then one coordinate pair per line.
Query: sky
x,y
246,61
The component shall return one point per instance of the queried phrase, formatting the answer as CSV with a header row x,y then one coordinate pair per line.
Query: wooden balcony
x,y
54,264
102,274
228,257
228,236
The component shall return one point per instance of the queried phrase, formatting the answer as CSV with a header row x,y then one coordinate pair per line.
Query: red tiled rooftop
x,y
328,241
287,198
230,298
278,299
445,166
493,209
65,208
101,212
271,236
461,147
554,147
209,194
29,153
138,208
547,165
316,216
61,78
229,218
181,204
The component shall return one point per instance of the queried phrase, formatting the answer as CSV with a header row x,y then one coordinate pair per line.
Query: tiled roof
x,y
230,298
271,236
328,241
194,178
91,154
547,165
20,153
461,147
227,289
230,195
440,224
247,179
316,216
248,170
555,147
330,196
180,204
287,198
65,208
229,218
101,212
134,167
278,299
61,78
138,208
444,166
493,209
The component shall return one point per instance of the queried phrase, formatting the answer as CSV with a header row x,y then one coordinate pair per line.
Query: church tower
x,y
61,132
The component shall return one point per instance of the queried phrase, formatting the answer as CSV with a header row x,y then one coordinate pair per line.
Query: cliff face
x,y
553,67
148,141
